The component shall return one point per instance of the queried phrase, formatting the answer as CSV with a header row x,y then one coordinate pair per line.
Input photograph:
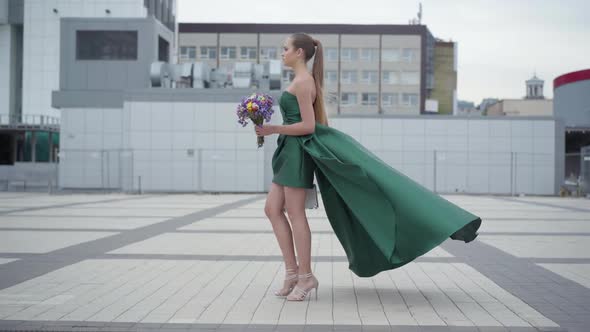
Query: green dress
x,y
382,218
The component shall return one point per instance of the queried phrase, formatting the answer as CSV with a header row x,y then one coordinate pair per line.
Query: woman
x,y
381,217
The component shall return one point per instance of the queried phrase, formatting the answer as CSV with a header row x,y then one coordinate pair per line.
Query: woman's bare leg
x,y
273,209
295,198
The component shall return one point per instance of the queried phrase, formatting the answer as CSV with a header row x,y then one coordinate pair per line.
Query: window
x,y
389,99
331,77
410,99
349,54
188,53
106,45
390,55
163,49
248,53
331,54
369,99
390,77
410,78
227,52
348,98
410,55
370,54
370,77
349,77
268,53
208,52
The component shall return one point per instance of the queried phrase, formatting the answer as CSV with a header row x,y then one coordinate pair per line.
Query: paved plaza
x,y
114,262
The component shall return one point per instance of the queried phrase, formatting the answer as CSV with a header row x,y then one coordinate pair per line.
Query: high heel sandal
x,y
299,294
291,275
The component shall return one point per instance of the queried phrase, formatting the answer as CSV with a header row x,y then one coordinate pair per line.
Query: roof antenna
x,y
420,14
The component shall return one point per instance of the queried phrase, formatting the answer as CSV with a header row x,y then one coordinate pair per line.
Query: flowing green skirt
x,y
382,218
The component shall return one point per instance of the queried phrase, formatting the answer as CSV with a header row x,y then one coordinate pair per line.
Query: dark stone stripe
x,y
7,229
559,299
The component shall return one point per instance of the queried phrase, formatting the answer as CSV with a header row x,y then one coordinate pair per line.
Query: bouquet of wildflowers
x,y
257,107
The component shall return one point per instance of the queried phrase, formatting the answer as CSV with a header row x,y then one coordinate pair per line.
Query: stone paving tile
x,y
124,284
7,260
36,222
579,273
42,241
540,246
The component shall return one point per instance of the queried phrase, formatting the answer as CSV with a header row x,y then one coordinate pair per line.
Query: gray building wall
x,y
559,153
110,75
11,11
3,11
163,10
189,140
571,102
11,64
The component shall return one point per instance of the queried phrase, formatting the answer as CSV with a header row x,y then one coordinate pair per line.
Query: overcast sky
x,y
501,43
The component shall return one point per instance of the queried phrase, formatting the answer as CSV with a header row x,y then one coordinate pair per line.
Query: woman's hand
x,y
263,130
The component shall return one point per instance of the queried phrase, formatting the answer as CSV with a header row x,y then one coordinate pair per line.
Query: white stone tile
x,y
161,141
500,128
183,116
371,127
99,212
457,128
141,116
204,244
540,246
371,142
543,129
240,292
7,260
44,241
91,222
161,116
521,128
182,140
351,127
112,120
140,140
525,226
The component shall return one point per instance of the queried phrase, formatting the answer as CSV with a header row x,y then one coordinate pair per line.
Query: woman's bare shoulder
x,y
304,85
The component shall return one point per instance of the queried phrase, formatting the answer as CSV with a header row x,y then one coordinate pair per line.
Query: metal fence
x,y
31,119
585,170
226,170
476,172
108,170
30,177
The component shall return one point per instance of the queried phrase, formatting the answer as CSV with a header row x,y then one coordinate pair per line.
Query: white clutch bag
x,y
311,198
